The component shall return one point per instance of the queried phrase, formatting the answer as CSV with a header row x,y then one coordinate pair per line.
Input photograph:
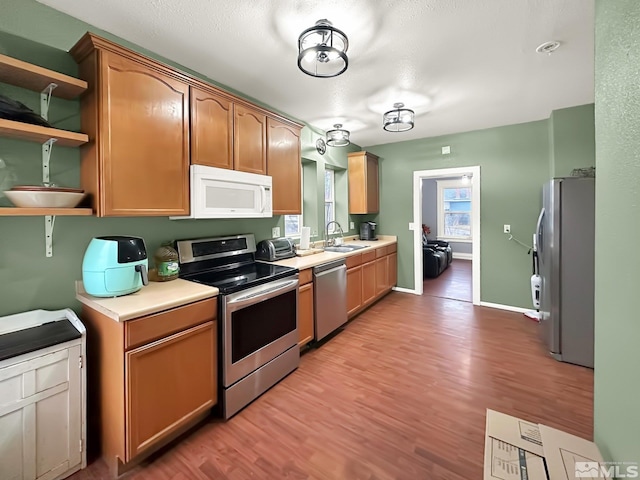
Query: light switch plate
x,y
275,232
352,226
446,150
412,226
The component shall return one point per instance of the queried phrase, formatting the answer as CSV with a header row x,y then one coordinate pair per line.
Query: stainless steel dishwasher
x,y
330,297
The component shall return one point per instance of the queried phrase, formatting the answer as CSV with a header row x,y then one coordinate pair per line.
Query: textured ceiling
x,y
460,64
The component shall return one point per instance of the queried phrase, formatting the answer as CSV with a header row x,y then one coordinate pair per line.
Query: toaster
x,y
275,249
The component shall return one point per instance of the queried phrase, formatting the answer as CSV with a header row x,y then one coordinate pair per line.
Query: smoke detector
x,y
548,47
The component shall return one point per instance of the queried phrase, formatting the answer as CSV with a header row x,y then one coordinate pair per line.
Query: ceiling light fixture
x,y
338,137
322,50
398,120
548,47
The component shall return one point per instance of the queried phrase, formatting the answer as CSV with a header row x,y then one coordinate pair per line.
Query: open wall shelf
x,y
38,212
25,75
39,134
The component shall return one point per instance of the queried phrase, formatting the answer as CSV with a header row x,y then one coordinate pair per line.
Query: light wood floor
x,y
455,282
401,393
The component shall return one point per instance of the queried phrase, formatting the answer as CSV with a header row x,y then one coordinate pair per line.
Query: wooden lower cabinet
x,y
305,314
149,379
169,382
382,276
393,269
368,283
354,290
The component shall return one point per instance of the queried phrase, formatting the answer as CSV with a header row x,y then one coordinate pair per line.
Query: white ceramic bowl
x,y
27,199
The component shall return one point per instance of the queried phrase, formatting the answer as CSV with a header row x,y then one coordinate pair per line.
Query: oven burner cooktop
x,y
246,276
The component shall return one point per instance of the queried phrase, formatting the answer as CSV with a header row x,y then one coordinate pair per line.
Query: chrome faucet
x,y
332,241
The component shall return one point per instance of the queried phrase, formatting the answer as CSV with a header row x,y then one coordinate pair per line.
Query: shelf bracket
x,y
49,223
45,100
46,156
49,220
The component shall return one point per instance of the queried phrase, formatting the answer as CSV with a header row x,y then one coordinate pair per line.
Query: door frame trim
x,y
420,175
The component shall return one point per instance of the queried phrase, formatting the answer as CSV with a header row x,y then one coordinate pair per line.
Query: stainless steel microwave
x,y
223,193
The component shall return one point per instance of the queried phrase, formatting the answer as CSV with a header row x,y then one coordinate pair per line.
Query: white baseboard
x,y
405,290
505,307
463,256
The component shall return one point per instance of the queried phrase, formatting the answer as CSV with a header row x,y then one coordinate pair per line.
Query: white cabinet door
x,y
41,416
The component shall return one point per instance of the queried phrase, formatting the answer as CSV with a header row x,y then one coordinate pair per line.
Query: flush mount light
x,y
548,47
398,120
338,137
322,50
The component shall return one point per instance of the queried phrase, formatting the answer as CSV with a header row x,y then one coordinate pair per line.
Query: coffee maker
x,y
368,231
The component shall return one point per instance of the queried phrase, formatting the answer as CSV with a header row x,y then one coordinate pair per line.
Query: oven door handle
x,y
260,293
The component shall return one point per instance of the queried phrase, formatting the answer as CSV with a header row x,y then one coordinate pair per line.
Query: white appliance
x,y
223,193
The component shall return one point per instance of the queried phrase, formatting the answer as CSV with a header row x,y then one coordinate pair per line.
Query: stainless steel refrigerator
x,y
565,251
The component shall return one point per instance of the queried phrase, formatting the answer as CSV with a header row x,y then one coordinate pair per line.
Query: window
x,y
454,210
329,199
293,223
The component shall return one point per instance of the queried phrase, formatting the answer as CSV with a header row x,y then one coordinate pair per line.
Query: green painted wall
x,y
572,140
513,166
617,121
28,280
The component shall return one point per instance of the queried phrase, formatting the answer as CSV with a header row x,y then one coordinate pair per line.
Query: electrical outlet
x,y
352,226
446,150
507,228
275,232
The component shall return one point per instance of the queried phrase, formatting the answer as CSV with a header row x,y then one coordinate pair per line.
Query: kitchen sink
x,y
343,248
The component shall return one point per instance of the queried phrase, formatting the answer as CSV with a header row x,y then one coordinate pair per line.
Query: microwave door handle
x,y
263,193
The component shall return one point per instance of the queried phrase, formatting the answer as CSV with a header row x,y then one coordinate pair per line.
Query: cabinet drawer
x,y
354,260
368,256
306,276
381,252
150,328
392,248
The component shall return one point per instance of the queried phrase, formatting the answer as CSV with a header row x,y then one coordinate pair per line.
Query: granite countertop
x,y
302,263
155,297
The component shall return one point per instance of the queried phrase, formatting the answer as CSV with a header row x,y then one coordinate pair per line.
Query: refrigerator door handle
x,y
538,240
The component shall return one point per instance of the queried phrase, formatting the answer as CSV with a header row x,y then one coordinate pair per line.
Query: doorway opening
x,y
457,224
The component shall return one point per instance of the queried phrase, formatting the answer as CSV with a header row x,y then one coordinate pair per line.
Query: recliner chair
x,y
436,257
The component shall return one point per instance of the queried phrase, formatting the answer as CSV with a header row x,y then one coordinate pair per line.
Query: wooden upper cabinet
x,y
249,140
136,113
363,183
211,129
283,164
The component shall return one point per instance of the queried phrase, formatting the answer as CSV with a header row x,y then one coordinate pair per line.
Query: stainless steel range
x,y
258,314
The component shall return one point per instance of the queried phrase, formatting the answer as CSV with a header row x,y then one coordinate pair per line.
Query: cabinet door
x,y
168,383
41,414
145,141
382,276
283,164
372,184
368,282
249,140
393,269
363,183
354,290
211,129
305,314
